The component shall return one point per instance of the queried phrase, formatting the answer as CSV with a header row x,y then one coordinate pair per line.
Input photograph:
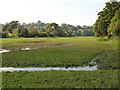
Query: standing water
x,y
4,50
32,69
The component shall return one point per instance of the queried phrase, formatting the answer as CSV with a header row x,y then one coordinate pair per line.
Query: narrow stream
x,y
33,69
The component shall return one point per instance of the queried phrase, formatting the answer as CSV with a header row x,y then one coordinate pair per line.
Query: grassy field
x,y
54,52
67,52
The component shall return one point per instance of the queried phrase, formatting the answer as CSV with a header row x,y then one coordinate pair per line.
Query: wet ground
x,y
34,46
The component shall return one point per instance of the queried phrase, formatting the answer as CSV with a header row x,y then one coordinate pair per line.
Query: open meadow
x,y
66,44
61,52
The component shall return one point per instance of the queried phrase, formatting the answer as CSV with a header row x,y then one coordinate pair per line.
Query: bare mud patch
x,y
33,42
35,46
59,44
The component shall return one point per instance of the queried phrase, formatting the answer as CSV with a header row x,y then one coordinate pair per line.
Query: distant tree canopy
x,y
108,22
52,29
40,29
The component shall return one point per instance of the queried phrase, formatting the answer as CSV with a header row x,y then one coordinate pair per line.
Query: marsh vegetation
x,y
78,53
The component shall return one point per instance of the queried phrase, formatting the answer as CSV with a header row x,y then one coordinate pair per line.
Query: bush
x,y
102,39
10,35
4,35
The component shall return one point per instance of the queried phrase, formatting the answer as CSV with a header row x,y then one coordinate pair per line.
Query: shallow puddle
x,y
4,50
26,48
32,69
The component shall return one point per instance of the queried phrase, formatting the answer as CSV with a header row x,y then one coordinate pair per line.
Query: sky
x,y
74,12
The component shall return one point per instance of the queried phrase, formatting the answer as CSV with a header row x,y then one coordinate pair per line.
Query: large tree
x,y
114,27
104,18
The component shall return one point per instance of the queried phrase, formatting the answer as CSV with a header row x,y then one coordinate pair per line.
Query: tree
x,y
4,34
33,32
23,32
14,29
114,27
104,19
52,29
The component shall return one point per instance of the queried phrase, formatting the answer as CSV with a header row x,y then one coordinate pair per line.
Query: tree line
x,y
41,29
108,22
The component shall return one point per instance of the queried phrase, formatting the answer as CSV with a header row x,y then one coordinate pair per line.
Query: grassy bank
x,y
61,79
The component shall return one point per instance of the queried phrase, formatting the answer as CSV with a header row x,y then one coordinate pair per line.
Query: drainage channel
x,y
33,69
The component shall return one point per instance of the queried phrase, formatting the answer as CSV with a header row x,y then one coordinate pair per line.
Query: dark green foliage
x,y
114,27
13,29
87,31
4,34
52,29
108,23
40,29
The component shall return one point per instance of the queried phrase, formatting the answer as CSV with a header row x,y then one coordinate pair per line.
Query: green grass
x,y
61,79
80,52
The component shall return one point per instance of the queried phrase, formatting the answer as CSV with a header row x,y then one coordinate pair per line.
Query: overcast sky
x,y
75,12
